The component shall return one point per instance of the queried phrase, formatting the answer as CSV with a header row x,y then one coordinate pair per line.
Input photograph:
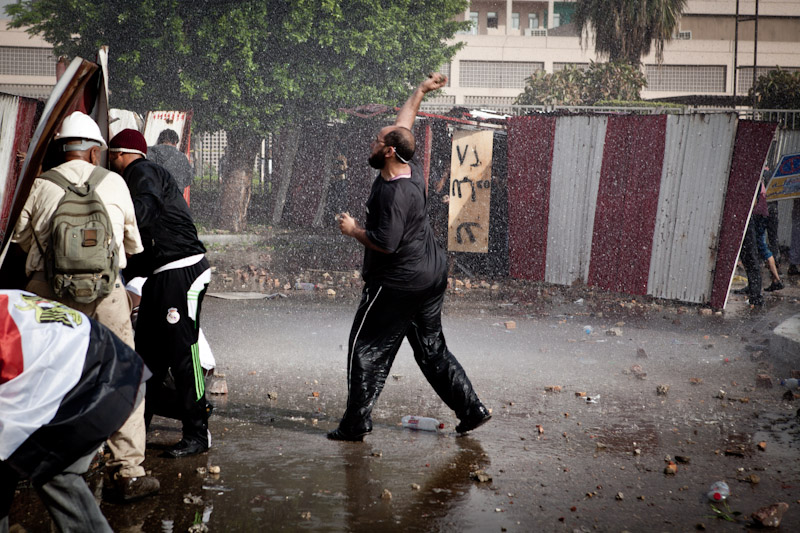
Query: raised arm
x,y
407,113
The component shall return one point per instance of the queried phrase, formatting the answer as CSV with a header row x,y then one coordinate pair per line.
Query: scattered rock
x,y
553,388
415,486
770,516
704,311
637,371
763,381
619,496
671,469
201,470
539,429
480,476
386,495
191,499
305,515
510,324
331,293
753,479
683,459
696,381
198,528
614,332
217,385
641,354
662,390
762,445
272,395
580,394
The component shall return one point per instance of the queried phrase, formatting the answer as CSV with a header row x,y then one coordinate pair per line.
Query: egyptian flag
x,y
66,384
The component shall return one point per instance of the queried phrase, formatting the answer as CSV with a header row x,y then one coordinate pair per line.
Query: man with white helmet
x,y
79,145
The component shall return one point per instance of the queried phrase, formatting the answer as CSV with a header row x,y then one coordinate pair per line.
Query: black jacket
x,y
165,222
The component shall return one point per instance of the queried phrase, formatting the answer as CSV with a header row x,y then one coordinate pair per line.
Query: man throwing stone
x,y
405,275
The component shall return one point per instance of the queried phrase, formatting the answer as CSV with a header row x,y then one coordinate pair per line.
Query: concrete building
x,y
510,39
27,64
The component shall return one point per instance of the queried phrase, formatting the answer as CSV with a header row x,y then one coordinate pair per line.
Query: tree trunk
x,y
287,150
237,180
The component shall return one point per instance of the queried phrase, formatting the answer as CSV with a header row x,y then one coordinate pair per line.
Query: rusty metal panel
x,y
577,161
694,179
9,106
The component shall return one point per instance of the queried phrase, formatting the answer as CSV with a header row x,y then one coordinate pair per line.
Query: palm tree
x,y
624,30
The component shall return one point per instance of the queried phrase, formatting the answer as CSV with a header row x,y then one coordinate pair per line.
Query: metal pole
x,y
755,57
735,53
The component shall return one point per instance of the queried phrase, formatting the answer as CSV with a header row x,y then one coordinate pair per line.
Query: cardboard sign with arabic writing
x,y
470,191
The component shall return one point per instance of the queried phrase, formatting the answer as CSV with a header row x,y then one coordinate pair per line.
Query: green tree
x,y
777,89
251,67
624,30
576,87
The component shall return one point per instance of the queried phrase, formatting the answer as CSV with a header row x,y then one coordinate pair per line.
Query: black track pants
x,y
384,317
752,264
166,338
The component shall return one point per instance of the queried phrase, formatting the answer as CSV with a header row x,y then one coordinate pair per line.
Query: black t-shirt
x,y
398,223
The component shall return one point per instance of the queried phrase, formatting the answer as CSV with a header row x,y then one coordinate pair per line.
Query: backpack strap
x,y
56,177
97,175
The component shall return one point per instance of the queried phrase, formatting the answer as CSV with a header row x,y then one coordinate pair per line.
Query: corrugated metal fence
x,y
632,203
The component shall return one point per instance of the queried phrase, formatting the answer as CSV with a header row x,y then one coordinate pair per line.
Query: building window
x,y
685,78
560,66
473,17
444,68
556,20
497,74
27,61
533,21
514,21
491,19
744,79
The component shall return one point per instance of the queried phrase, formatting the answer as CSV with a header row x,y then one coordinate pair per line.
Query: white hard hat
x,y
80,126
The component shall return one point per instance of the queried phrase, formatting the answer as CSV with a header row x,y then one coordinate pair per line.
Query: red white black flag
x,y
66,384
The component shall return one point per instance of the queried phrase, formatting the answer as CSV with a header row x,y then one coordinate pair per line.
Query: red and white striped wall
x,y
635,204
18,117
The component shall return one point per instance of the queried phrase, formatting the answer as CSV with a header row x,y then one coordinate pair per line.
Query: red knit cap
x,y
128,141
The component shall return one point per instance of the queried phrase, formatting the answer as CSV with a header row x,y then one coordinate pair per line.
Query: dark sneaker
x,y
339,434
474,420
129,489
776,286
187,447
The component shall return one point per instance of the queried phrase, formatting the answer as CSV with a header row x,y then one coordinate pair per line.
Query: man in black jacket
x,y
177,277
405,277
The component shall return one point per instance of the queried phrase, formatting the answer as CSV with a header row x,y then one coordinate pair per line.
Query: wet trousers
x,y
752,264
127,444
167,339
67,498
384,318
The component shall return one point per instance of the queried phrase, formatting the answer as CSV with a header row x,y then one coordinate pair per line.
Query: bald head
x,y
402,140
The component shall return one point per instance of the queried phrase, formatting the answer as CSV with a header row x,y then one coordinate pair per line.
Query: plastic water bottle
x,y
588,330
790,383
422,423
718,492
300,286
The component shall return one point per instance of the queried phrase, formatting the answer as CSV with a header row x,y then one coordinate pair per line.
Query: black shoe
x,y
187,447
474,421
338,434
756,302
130,489
776,286
793,270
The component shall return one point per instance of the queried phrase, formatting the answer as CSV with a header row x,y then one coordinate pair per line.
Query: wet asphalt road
x,y
593,467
